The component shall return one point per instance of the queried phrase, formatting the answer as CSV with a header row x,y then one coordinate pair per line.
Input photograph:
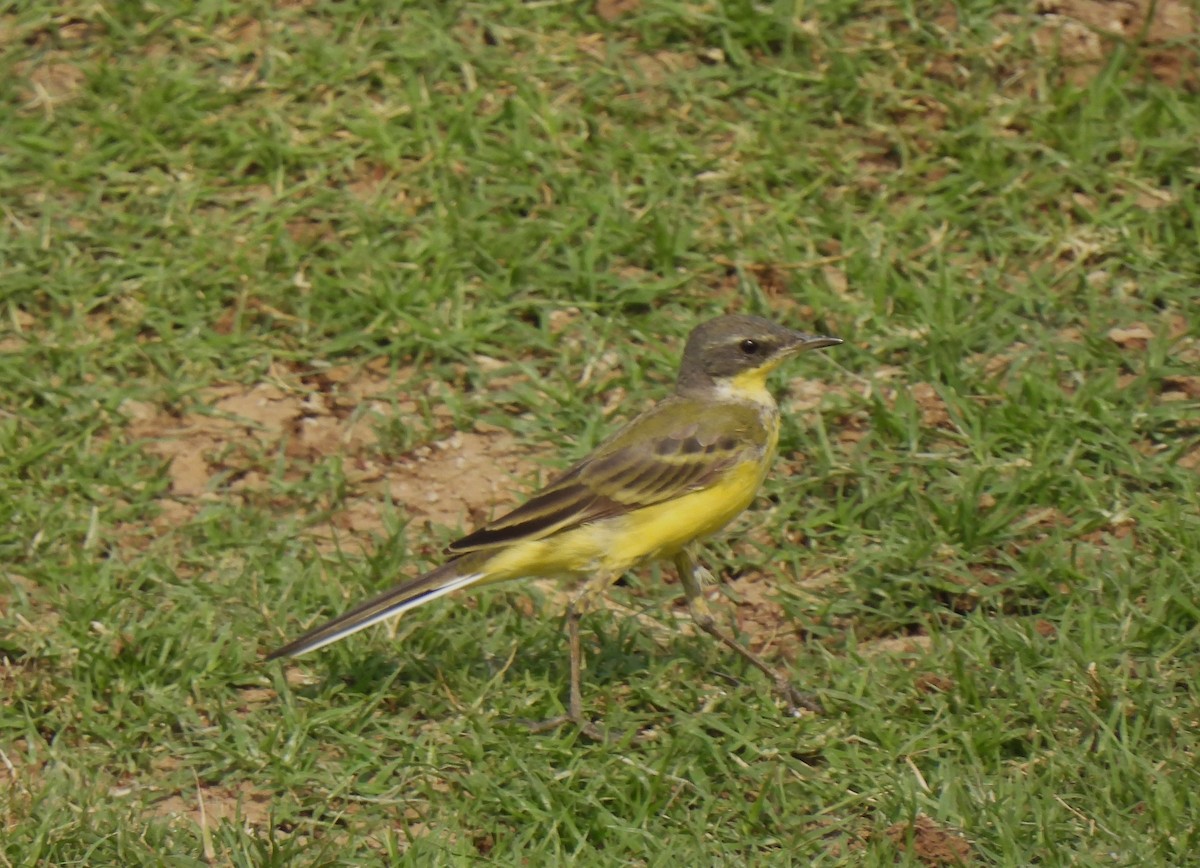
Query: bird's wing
x,y
661,455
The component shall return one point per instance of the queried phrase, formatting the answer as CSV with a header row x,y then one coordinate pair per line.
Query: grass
x,y
982,540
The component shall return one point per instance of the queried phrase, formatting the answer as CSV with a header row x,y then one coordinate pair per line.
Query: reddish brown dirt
x,y
1084,33
930,843
226,448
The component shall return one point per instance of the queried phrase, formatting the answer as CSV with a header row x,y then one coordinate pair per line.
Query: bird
x,y
655,490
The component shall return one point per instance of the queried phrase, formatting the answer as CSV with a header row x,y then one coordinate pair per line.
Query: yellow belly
x,y
663,529
616,544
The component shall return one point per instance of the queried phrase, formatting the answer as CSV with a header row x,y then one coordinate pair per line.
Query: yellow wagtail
x,y
674,475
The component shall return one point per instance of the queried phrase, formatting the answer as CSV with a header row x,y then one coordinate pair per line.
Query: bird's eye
x,y
749,347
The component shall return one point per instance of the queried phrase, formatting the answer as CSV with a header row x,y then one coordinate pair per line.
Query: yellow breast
x,y
616,544
665,528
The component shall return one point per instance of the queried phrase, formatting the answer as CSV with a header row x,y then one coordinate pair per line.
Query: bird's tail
x,y
457,573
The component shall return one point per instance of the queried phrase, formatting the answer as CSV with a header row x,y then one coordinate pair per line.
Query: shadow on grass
x,y
623,664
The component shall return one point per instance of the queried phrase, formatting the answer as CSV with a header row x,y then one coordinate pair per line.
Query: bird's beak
x,y
802,343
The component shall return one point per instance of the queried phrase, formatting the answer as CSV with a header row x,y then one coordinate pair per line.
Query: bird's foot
x,y
796,698
587,727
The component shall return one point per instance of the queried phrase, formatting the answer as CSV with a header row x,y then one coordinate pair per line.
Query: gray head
x,y
740,351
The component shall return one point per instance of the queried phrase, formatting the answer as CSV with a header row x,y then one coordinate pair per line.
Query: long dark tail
x,y
450,576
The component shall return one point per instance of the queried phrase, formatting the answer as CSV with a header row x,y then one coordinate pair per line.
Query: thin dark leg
x,y
692,576
583,601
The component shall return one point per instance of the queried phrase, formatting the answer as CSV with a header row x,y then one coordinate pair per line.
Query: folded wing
x,y
644,464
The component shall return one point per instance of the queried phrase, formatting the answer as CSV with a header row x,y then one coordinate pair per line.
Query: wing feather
x,y
644,464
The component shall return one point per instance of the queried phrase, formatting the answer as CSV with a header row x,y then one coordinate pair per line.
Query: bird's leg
x,y
575,652
693,576
580,604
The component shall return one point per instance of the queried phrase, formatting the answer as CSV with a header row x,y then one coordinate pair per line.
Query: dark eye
x,y
749,347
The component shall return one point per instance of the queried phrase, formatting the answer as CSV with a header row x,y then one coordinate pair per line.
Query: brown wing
x,y
658,456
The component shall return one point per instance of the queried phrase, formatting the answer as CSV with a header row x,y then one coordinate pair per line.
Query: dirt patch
x,y
611,10
1083,34
933,682
931,406
23,598
1181,388
889,383
13,770
762,620
461,480
227,446
211,446
906,646
17,787
930,843
49,83
1134,337
17,335
804,394
478,472
210,804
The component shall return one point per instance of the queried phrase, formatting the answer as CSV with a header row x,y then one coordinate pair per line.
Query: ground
x,y
294,295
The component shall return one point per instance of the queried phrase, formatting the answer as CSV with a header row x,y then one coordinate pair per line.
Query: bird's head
x,y
735,354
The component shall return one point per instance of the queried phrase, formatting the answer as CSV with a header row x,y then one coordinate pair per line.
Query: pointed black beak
x,y
805,342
